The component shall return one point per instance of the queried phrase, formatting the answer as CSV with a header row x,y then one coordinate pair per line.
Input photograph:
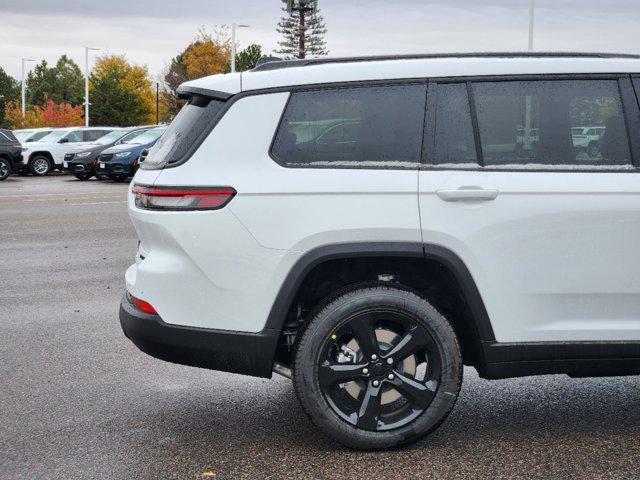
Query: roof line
x,y
279,64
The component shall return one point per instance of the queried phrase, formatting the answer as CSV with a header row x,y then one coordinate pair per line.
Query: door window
x,y
75,136
535,124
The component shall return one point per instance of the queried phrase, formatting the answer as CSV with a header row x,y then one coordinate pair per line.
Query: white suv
x,y
47,154
359,225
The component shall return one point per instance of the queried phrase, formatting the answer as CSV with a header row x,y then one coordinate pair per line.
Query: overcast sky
x,y
151,32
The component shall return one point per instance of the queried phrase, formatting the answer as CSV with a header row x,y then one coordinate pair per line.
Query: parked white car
x,y
358,225
47,154
27,135
588,139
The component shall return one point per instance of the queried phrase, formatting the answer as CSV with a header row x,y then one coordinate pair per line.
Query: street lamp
x,y
86,84
24,110
233,44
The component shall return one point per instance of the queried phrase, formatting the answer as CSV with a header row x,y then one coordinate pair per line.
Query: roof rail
x,y
278,64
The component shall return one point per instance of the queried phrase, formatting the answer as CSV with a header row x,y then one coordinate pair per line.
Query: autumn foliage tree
x,y
51,114
207,54
121,93
60,114
9,91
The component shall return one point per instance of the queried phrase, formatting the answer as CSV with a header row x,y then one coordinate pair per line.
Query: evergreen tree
x,y
292,30
62,83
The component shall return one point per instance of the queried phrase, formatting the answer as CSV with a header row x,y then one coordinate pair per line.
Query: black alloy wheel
x,y
378,368
5,169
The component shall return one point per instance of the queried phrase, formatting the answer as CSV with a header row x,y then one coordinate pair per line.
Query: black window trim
x,y
349,85
630,106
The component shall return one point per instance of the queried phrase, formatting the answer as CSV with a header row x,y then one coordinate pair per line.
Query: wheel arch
x,y
430,254
43,153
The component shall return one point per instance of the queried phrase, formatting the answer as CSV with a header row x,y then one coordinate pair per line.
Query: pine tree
x,y
313,31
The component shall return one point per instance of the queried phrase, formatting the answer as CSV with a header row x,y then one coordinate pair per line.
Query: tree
x,y
51,114
9,91
207,54
55,114
303,30
247,58
13,116
121,93
62,83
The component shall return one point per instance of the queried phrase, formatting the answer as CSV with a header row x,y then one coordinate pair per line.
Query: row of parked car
x,y
104,152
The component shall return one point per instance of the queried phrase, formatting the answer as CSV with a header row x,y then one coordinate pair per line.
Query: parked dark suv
x,y
121,161
82,163
10,154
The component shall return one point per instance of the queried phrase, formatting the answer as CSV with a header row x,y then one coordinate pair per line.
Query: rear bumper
x,y
225,350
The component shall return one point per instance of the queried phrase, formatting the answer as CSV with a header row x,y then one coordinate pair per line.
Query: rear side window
x,y
572,124
360,126
187,130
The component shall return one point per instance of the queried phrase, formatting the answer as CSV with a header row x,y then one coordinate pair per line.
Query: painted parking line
x,y
95,203
20,195
77,198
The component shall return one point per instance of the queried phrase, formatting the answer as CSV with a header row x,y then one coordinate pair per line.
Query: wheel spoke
x,y
363,329
369,409
332,373
410,343
415,392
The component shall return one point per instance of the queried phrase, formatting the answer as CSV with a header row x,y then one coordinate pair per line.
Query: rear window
x,y
186,132
7,136
360,126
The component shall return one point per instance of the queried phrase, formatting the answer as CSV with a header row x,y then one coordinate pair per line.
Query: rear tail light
x,y
16,145
142,305
182,198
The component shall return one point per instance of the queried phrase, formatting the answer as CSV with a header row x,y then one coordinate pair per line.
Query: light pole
x,y
528,132
86,84
24,110
532,7
233,44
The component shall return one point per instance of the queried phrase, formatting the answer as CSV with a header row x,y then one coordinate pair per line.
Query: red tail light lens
x,y
182,198
142,305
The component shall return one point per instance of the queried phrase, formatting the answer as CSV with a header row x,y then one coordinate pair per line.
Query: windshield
x,y
109,137
54,136
147,137
38,135
22,136
130,136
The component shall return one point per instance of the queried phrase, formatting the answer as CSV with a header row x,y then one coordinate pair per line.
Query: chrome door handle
x,y
469,194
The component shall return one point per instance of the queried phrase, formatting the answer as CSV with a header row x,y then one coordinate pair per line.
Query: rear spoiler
x,y
185,92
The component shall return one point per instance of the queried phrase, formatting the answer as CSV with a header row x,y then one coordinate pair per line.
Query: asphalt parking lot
x,y
78,400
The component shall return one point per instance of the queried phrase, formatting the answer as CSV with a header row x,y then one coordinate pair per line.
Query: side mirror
x,y
63,140
143,155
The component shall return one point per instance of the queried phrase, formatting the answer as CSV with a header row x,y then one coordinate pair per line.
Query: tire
x,y
401,418
83,176
593,150
5,169
40,165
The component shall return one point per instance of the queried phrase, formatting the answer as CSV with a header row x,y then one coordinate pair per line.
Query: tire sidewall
x,y
310,346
